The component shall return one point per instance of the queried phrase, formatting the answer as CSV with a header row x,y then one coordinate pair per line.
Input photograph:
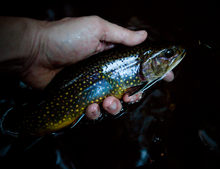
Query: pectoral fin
x,y
133,90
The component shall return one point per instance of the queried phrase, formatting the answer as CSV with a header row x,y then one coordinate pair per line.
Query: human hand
x,y
53,45
113,106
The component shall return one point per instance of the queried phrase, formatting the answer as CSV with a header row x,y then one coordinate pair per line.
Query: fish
x,y
111,73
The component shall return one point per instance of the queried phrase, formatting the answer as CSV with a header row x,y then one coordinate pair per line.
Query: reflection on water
x,y
174,126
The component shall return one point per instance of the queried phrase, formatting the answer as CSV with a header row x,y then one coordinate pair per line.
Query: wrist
x,y
20,43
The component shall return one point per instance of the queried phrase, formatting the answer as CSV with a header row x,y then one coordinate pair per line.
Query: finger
x,y
112,105
93,111
104,46
116,34
169,76
133,98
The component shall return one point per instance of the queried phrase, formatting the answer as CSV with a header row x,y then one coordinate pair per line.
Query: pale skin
x,y
35,51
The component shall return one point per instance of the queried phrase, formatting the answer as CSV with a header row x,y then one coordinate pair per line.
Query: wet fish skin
x,y
111,73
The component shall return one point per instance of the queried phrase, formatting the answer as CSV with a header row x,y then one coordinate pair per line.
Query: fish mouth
x,y
177,61
183,54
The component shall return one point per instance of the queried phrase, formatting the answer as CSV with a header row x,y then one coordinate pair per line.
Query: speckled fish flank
x,y
111,73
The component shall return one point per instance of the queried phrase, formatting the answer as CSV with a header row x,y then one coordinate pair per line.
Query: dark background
x,y
166,123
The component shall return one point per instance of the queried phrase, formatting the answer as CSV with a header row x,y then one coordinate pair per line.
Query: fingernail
x,y
141,32
112,106
95,113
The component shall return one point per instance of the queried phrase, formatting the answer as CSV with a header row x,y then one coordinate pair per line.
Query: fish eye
x,y
169,53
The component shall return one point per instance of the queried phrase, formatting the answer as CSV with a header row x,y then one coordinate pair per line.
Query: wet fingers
x,y
93,111
129,99
112,105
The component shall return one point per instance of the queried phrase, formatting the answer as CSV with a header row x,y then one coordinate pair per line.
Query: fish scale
x,y
111,73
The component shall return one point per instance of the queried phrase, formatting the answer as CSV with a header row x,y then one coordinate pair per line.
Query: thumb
x,y
117,34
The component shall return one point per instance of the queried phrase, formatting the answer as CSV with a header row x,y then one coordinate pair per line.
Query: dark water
x,y
176,125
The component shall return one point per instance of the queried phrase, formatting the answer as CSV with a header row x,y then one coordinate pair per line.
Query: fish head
x,y
161,59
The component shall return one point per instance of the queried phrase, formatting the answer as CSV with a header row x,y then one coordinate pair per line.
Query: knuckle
x,y
96,19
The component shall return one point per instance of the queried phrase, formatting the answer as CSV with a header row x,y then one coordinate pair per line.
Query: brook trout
x,y
111,73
